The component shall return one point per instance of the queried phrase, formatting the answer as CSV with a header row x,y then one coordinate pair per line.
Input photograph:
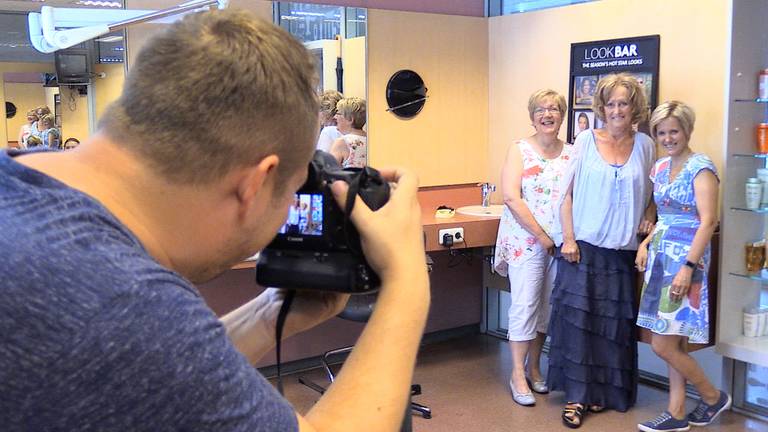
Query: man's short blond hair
x,y
637,99
674,109
353,108
216,91
543,94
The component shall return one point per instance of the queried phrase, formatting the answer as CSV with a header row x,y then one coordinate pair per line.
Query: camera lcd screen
x,y
305,216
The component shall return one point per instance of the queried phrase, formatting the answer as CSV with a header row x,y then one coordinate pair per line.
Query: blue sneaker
x,y
705,414
664,423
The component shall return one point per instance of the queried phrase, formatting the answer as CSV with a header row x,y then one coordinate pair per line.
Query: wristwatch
x,y
690,264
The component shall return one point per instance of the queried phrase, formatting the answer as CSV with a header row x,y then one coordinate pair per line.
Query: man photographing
x,y
102,327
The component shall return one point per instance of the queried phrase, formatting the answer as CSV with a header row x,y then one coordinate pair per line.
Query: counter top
x,y
479,231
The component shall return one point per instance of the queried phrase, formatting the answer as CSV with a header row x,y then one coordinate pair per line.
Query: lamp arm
x,y
82,24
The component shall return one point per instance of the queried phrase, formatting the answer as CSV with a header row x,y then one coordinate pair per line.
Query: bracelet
x,y
690,264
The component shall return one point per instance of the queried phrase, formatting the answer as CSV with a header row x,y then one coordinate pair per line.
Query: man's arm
x,y
251,327
371,391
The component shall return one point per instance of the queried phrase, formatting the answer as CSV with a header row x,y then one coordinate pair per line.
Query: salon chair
x,y
359,309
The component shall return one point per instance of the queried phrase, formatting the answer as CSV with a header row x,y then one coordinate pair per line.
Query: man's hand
x,y
392,236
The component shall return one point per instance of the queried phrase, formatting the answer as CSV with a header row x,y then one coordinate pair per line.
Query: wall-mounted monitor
x,y
74,65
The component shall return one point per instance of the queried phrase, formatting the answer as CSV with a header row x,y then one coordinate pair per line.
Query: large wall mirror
x,y
337,37
30,79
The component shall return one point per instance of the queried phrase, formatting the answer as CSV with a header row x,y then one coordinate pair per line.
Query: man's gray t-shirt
x,y
96,335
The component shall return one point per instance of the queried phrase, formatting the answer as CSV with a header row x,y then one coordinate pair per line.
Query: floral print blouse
x,y
541,183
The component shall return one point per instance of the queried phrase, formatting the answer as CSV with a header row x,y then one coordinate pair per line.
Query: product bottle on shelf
x,y
762,138
754,192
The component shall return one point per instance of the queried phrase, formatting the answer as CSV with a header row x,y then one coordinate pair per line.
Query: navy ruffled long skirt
x,y
593,345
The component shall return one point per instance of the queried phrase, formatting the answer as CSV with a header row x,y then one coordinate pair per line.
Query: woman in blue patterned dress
x,y
675,257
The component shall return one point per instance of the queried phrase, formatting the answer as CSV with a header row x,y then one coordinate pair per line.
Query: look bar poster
x,y
590,61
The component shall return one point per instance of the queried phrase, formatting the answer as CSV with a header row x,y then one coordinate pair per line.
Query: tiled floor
x,y
464,381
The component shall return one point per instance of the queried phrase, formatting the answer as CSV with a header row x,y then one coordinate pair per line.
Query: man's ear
x,y
256,180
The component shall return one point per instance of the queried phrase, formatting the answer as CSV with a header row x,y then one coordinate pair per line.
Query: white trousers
x,y
530,285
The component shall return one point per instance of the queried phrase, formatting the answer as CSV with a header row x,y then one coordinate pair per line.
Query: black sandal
x,y
596,408
573,415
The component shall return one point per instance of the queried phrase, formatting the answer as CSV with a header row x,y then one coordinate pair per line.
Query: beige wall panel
x,y
354,67
74,114
26,97
447,142
108,89
532,50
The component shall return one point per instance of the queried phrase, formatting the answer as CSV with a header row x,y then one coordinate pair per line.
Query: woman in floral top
x,y
531,180
351,150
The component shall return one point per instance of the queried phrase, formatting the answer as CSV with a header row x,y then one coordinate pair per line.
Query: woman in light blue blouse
x,y
593,349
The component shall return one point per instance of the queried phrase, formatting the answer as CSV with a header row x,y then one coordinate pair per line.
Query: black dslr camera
x,y
318,247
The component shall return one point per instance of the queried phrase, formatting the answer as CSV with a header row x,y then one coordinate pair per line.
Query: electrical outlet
x,y
456,236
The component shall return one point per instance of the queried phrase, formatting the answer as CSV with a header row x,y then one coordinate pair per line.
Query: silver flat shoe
x,y
539,387
524,399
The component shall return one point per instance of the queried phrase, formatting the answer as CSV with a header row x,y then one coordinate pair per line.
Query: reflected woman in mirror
x,y
328,130
351,150
26,129
675,257
49,134
531,179
40,111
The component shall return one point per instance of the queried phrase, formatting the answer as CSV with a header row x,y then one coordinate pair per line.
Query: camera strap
x,y
352,192
281,317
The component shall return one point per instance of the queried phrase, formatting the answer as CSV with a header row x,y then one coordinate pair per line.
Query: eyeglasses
x,y
542,111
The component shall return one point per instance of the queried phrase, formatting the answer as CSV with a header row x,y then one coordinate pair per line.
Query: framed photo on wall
x,y
585,90
583,120
592,61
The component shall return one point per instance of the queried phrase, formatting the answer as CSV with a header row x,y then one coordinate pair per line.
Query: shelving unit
x,y
739,225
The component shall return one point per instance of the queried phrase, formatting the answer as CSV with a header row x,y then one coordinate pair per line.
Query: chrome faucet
x,y
487,189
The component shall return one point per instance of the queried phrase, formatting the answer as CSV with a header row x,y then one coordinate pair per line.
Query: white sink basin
x,y
494,210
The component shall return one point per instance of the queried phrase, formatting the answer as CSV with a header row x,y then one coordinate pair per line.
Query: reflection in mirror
x,y
75,84
336,36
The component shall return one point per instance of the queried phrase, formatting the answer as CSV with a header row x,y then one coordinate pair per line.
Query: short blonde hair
x,y
42,110
47,119
637,99
677,110
353,108
542,94
328,101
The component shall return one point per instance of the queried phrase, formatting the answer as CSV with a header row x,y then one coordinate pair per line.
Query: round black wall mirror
x,y
406,93
10,110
